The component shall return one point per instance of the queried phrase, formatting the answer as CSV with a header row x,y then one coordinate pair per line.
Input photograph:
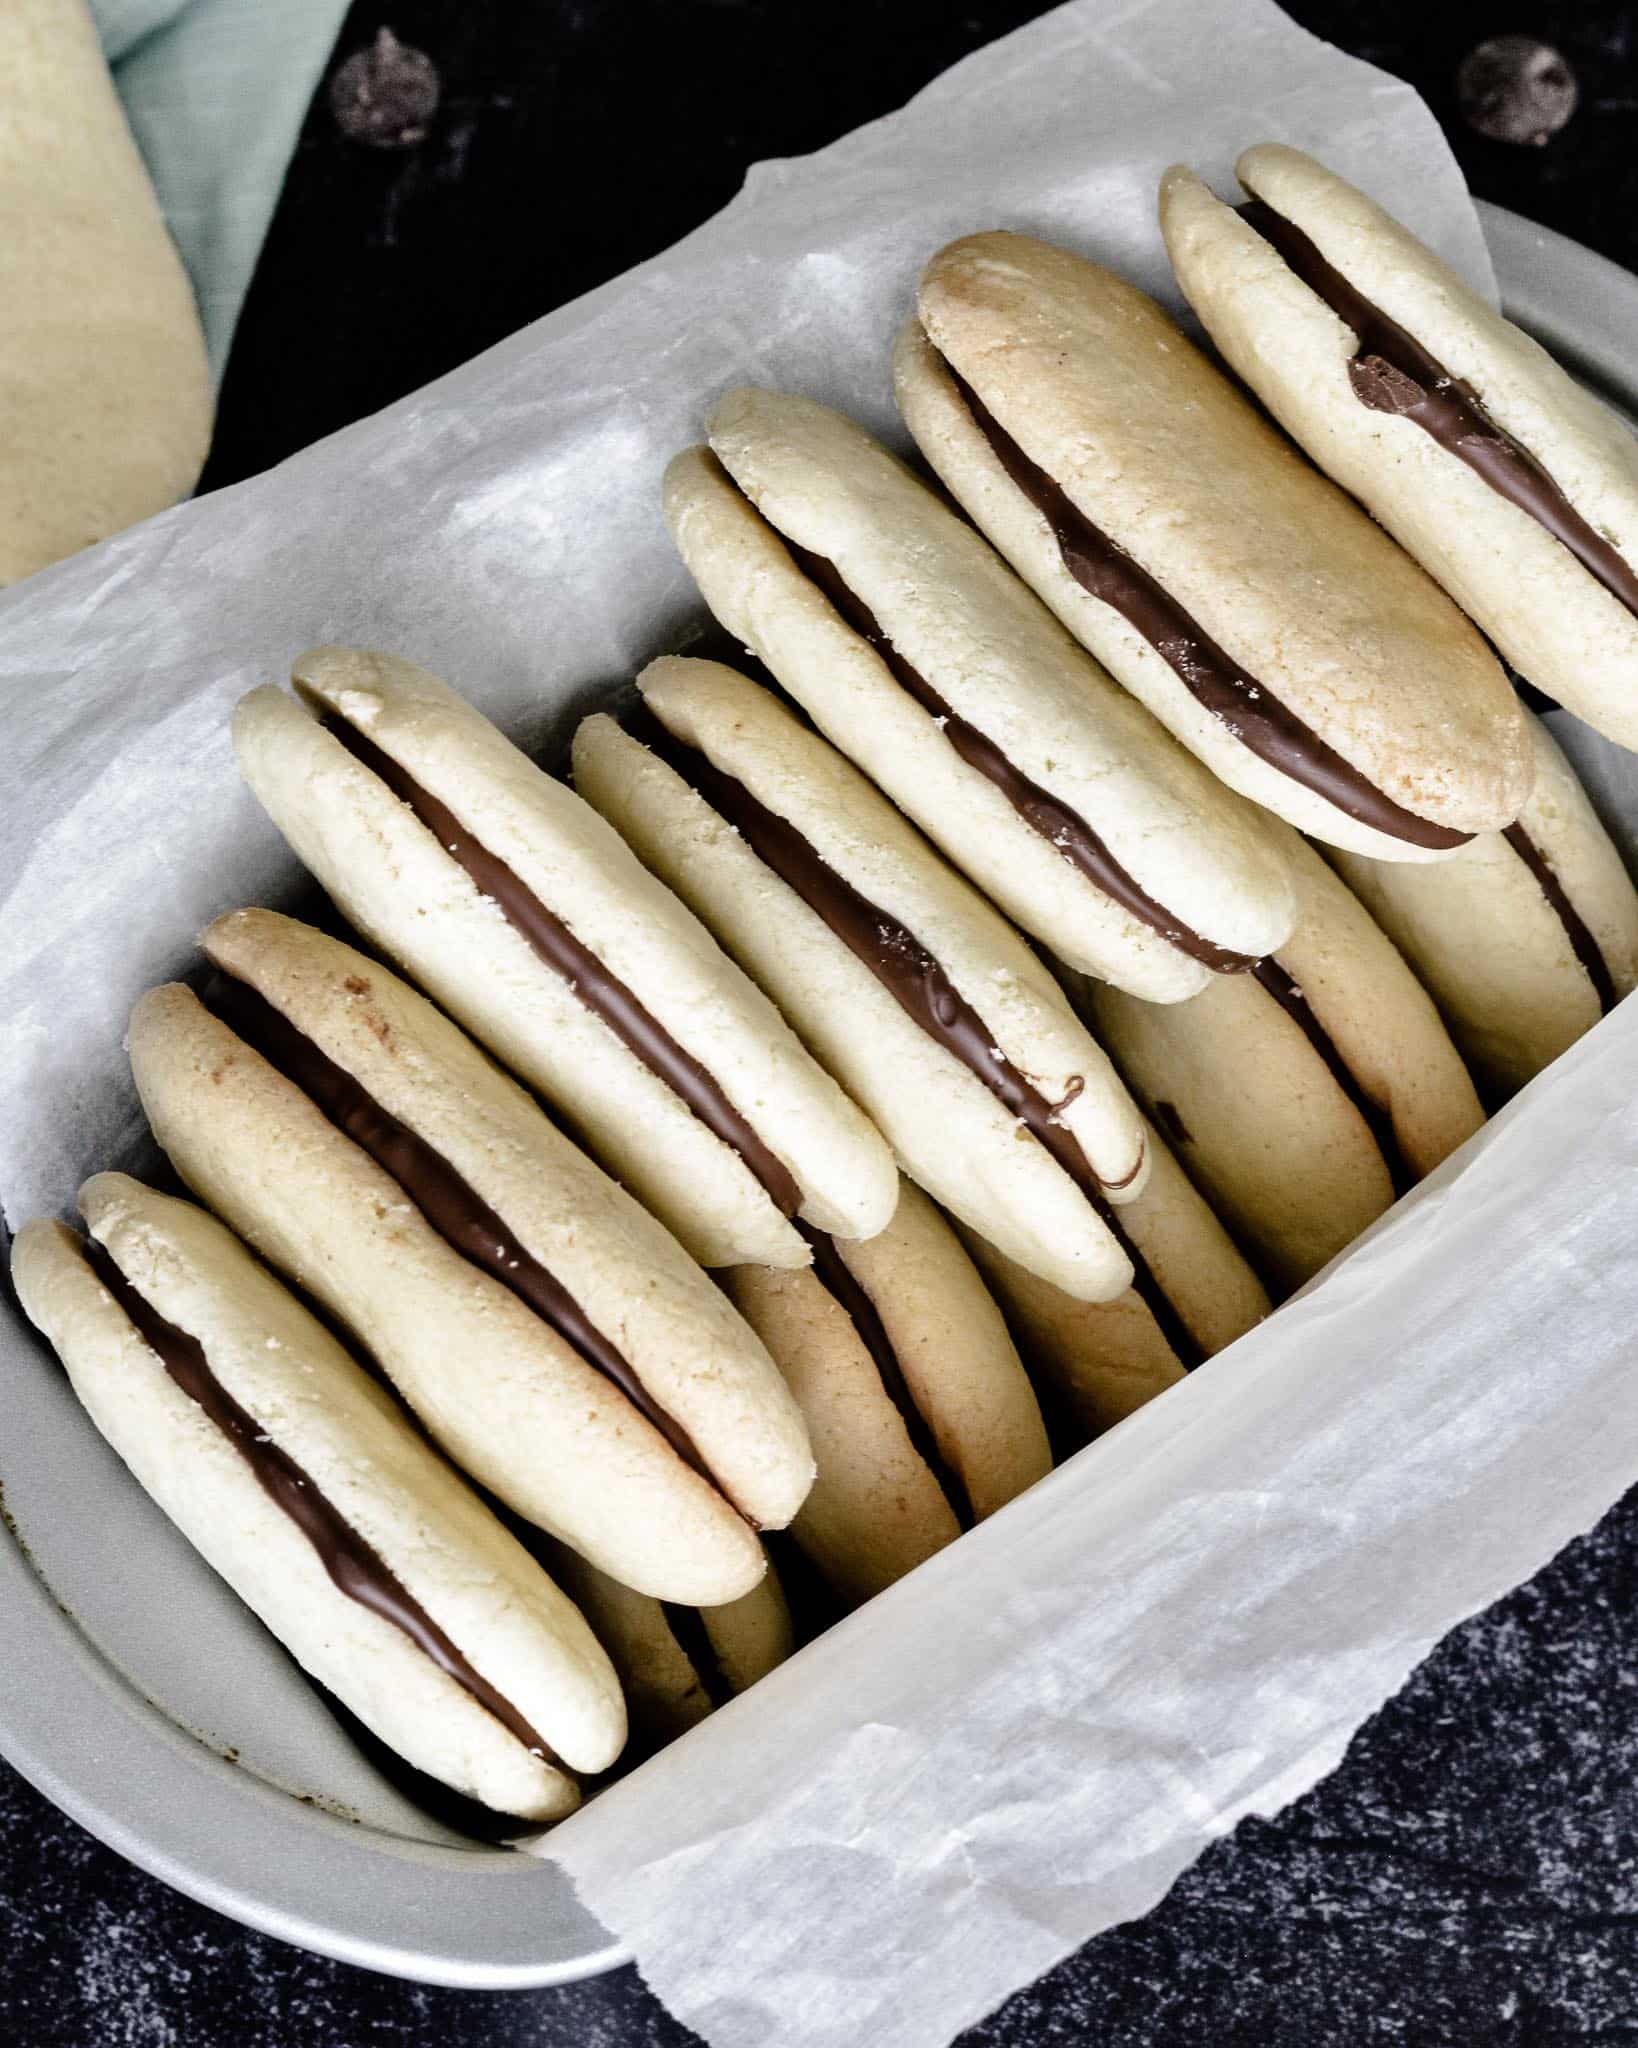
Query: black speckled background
x,y
1470,1875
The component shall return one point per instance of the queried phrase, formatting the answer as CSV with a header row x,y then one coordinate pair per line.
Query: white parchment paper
x,y
1027,1740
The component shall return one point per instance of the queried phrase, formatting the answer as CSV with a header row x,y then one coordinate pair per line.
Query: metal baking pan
x,y
139,1695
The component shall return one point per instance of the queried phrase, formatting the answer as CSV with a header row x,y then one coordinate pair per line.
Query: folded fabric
x,y
216,92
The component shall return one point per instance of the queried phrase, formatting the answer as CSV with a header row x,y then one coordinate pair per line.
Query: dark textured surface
x,y
573,140
1470,1874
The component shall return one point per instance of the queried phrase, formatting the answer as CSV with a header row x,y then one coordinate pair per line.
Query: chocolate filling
x,y
850,1293
1044,813
354,1567
921,988
604,995
456,1810
1392,372
1170,1119
448,1202
1247,708
1288,994
687,1624
1582,943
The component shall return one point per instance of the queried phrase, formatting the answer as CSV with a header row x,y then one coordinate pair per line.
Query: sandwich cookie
x,y
1254,609
530,921
923,1420
679,1664
298,1480
915,649
1097,1362
549,1333
923,1002
1506,480
1304,1098
1527,938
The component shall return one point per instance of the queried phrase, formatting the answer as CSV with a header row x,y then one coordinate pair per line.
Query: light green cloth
x,y
216,91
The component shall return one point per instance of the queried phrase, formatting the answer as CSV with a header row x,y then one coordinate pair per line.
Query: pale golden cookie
x,y
1098,1362
547,1330
913,991
922,1418
678,1664
919,653
300,1482
1527,938
532,923
1503,476
1299,1099
1250,604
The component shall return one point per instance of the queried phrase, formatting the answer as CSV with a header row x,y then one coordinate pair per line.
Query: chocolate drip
x,y
605,996
1392,372
1247,708
1288,994
921,988
850,1293
1046,814
354,1567
687,1624
1582,943
449,1203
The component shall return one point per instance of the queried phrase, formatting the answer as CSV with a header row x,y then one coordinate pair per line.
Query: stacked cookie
x,y
866,1081
1517,491
493,1298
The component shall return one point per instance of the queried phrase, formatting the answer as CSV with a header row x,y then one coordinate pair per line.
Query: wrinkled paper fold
x,y
1027,1740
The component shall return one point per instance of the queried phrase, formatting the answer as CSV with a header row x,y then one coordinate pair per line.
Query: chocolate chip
x,y
1514,89
385,96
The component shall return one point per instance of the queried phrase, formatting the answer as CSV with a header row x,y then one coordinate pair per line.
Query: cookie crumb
x,y
386,96
1514,89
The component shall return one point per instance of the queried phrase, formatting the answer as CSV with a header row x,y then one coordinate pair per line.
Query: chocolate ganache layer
x,y
921,988
1291,999
449,1203
354,1567
1061,827
687,1624
1576,930
602,993
1392,372
853,1298
1245,706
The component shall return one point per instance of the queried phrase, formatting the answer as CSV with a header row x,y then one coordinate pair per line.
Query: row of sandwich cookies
x,y
1305,1084
1264,618
420,1199
287,1001
362,1144
1381,810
